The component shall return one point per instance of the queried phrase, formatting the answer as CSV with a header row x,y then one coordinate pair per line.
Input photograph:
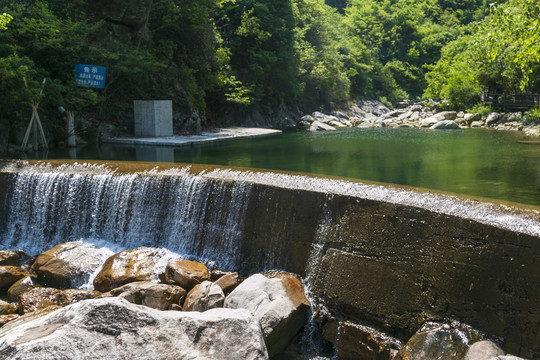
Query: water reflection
x,y
475,162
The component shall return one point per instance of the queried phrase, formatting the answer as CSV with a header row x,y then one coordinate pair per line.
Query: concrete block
x,y
153,118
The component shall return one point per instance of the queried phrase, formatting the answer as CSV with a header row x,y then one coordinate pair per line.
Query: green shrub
x,y
481,109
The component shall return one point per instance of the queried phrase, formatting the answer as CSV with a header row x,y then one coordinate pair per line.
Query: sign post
x,y
90,76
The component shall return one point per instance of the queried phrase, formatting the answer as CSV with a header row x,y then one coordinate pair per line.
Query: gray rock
x,y
445,125
307,118
428,122
493,118
323,118
113,328
445,115
156,296
477,124
319,126
278,301
373,107
483,350
204,296
507,357
439,341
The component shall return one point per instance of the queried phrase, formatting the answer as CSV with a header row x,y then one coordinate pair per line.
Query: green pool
x,y
479,162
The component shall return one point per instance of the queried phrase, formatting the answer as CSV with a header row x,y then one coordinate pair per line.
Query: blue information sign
x,y
90,75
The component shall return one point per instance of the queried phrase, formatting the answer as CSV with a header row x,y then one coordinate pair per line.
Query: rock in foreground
x,y
277,301
112,328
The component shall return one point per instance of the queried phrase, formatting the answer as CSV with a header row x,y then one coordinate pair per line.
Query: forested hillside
x,y
219,57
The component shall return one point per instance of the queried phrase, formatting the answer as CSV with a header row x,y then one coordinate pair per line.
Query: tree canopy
x,y
501,52
222,56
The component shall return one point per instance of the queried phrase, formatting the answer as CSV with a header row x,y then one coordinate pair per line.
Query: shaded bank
x,y
386,257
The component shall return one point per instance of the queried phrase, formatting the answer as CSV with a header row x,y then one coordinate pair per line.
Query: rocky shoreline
x,y
430,115
78,301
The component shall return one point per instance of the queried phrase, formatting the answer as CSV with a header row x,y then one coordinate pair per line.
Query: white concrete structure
x,y
153,118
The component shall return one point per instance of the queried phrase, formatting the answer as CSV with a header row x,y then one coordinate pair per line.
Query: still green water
x,y
478,162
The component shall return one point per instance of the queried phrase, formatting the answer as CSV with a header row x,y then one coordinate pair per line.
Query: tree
x,y
4,20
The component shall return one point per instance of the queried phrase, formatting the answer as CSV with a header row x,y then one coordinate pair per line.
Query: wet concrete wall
x,y
390,265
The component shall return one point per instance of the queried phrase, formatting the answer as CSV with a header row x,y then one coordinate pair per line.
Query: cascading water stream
x,y
174,210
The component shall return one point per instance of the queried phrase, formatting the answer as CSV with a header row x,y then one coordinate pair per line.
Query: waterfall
x,y
174,209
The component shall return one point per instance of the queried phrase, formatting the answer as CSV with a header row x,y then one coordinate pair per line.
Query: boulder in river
x,y
129,266
9,258
277,300
186,273
156,296
11,274
21,286
69,265
114,329
204,296
445,125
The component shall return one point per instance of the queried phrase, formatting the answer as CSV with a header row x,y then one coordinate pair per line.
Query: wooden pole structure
x,y
71,139
35,123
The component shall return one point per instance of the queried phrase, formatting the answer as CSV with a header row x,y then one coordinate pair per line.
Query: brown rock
x,y
355,342
10,274
9,258
228,282
204,296
76,295
20,287
40,298
127,266
216,274
7,308
4,319
156,296
68,265
186,273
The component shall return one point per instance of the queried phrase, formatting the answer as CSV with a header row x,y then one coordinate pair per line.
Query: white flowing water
x,y
50,206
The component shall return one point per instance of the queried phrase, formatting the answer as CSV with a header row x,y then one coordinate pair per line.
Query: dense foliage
x,y
501,52
220,56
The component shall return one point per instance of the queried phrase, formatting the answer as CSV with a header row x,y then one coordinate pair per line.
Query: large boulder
x,y
428,122
156,296
320,126
446,115
114,329
440,341
204,296
277,300
11,274
69,265
445,125
141,264
186,273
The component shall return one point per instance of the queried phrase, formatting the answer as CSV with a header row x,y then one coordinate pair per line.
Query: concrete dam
x,y
386,257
